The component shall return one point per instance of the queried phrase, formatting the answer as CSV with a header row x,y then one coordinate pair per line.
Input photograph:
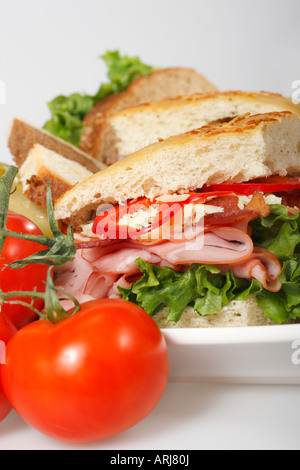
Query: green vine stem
x,y
55,313
6,182
61,248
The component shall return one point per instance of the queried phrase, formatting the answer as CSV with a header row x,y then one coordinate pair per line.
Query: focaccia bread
x,y
43,166
159,84
136,127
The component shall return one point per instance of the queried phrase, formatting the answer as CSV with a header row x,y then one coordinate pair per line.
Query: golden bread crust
x,y
239,125
275,99
137,126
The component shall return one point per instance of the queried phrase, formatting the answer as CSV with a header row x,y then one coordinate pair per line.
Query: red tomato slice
x,y
273,184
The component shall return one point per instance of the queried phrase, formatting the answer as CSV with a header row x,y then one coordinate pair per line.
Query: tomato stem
x,y
6,182
61,248
41,239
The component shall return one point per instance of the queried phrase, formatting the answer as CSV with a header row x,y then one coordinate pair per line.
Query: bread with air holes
x,y
97,140
43,166
136,127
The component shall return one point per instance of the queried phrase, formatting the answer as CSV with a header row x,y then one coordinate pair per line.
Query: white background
x,y
52,47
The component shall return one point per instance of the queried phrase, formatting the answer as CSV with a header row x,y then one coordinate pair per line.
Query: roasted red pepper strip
x,y
107,223
273,184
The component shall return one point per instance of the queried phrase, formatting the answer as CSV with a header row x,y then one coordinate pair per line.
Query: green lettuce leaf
x,y
68,112
205,289
122,70
200,286
280,234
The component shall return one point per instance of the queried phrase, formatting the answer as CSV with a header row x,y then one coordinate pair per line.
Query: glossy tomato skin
x,y
24,279
7,331
89,377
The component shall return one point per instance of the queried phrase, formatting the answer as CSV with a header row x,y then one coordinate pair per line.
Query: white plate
x,y
253,355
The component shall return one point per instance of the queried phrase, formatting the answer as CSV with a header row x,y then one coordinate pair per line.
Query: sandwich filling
x,y
202,249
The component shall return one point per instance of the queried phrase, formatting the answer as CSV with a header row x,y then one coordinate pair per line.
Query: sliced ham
x,y
123,261
114,293
83,281
220,245
261,265
94,254
73,276
99,284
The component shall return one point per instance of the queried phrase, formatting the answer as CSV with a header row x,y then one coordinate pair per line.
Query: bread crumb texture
x,y
139,126
236,314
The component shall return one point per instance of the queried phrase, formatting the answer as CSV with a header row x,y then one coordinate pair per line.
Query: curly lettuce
x,y
68,112
280,234
201,286
205,289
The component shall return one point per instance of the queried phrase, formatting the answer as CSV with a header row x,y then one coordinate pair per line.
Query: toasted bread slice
x,y
243,149
43,166
96,139
136,127
22,136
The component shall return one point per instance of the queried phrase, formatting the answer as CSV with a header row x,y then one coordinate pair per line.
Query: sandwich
x,y
157,85
136,127
200,229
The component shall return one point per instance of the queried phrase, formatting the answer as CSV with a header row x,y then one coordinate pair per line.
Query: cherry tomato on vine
x,y
90,376
23,279
7,330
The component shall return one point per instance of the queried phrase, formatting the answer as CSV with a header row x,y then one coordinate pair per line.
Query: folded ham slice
x,y
123,261
114,293
80,279
219,245
263,266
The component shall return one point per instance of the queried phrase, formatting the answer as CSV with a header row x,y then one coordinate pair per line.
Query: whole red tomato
x,y
89,377
7,330
24,279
